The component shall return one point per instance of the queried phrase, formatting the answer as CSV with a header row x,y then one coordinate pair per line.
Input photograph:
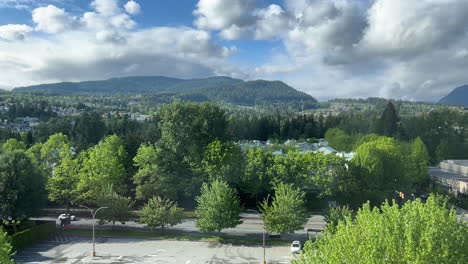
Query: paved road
x,y
252,226
75,249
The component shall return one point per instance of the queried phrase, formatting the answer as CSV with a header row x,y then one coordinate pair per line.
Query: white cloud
x,y
241,19
14,32
104,43
222,14
107,16
52,19
132,7
428,25
271,22
79,55
392,48
106,7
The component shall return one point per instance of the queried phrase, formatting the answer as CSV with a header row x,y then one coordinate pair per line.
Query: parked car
x,y
296,247
65,216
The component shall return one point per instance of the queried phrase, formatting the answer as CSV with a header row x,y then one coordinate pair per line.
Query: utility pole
x,y
264,231
93,215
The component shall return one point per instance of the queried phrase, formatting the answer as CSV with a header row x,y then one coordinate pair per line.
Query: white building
x,y
451,175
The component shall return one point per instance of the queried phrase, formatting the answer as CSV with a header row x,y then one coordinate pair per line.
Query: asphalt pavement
x,y
252,226
77,249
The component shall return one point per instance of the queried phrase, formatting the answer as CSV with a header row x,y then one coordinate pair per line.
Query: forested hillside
x,y
160,90
126,85
458,96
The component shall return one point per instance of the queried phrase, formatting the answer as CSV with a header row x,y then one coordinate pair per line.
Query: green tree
x,y
22,189
118,207
88,130
224,162
443,151
218,207
290,168
6,250
379,169
159,212
103,164
62,186
54,150
152,178
416,233
186,130
13,144
287,212
389,122
334,215
256,177
418,164
339,140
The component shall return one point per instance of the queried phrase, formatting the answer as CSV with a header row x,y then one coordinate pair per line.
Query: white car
x,y
296,247
65,216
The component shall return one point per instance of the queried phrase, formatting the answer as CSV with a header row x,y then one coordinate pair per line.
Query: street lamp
x,y
264,230
93,214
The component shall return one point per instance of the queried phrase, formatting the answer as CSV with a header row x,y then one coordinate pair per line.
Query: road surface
x,y
75,249
252,226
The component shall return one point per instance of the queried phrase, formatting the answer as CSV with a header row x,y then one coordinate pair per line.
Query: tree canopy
x,y
415,233
22,191
287,212
103,164
6,250
218,207
159,212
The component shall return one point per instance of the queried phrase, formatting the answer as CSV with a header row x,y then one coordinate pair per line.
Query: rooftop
x,y
438,172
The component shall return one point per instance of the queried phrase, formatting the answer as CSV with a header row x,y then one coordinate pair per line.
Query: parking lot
x,y
76,249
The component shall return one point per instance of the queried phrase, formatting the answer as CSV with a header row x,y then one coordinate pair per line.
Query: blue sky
x,y
413,50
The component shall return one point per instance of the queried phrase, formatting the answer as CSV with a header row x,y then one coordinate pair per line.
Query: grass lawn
x,y
158,235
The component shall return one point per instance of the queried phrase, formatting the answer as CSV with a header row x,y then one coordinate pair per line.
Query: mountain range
x,y
215,89
459,96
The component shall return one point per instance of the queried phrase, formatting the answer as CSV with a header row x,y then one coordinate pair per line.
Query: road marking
x,y
188,262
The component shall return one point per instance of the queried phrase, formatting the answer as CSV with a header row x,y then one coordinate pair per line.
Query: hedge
x,y
32,235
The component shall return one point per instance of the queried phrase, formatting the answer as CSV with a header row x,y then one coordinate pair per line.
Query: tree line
x,y
193,148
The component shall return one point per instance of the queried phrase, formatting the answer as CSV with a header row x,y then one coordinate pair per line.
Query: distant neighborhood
x,y
303,146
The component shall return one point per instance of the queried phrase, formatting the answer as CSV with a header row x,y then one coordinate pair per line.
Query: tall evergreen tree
x,y
388,123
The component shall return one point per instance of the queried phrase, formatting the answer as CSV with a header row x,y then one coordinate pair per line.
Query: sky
x,y
401,49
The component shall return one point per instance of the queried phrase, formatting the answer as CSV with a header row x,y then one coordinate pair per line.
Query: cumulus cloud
x,y
14,32
52,19
222,14
106,7
103,43
391,48
238,19
132,7
395,30
178,52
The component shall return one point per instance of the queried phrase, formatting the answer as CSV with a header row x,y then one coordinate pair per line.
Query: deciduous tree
x,y
159,212
118,207
224,162
154,178
287,212
22,189
218,207
6,250
416,233
103,164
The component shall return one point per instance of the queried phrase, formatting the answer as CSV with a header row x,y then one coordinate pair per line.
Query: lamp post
x,y
93,214
264,231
